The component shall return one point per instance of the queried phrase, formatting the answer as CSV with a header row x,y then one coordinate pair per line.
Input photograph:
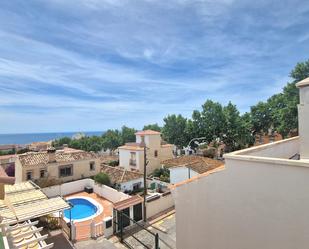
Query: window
x,y
42,173
142,139
133,159
92,166
136,186
29,175
156,153
66,171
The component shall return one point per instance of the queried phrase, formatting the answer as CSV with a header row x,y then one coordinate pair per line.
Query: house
x,y
131,155
258,200
56,166
186,167
125,180
39,146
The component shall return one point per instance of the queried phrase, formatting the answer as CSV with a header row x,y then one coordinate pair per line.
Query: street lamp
x,y
195,139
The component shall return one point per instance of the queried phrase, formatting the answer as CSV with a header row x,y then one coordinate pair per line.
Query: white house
x,y
186,167
126,180
259,200
131,155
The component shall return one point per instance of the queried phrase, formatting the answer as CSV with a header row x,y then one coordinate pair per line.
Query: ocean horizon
x,y
27,138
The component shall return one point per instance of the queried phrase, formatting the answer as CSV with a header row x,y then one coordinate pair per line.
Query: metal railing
x,y
121,231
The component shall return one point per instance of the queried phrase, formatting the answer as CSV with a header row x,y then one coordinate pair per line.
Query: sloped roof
x,y
198,164
133,200
120,175
39,158
131,147
148,132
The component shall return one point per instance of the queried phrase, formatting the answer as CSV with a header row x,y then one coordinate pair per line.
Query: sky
x,y
90,65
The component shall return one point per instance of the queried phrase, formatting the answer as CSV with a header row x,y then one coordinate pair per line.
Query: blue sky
x,y
92,65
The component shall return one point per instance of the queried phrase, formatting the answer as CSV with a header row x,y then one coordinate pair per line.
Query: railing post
x,y
157,241
92,229
121,226
72,231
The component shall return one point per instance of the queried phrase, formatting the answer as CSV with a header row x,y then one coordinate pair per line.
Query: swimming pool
x,y
84,208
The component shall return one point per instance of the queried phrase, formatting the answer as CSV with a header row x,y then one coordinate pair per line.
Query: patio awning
x,y
26,201
120,205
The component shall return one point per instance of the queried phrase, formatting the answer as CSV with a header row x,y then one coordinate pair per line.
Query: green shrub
x,y
102,178
113,163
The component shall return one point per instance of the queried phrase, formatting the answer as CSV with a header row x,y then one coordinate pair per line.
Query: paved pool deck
x,y
83,228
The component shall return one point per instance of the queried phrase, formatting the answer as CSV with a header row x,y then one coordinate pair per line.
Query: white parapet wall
x,y
78,186
159,205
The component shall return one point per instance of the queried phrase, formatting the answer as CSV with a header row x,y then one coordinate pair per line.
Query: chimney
x,y
51,153
303,118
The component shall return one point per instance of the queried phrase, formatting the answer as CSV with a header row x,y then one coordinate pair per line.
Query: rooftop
x,y
148,132
120,175
39,158
198,164
131,147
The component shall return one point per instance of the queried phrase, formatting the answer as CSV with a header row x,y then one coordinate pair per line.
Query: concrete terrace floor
x,y
83,228
165,227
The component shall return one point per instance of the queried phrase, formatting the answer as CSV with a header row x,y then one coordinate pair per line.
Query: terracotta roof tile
x,y
120,175
39,158
197,163
148,132
131,147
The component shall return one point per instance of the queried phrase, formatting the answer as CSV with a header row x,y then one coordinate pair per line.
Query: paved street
x,y
166,228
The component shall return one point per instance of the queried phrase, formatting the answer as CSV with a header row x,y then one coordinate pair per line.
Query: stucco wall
x,y
303,113
248,205
179,174
281,149
128,186
159,205
78,186
18,171
125,156
81,169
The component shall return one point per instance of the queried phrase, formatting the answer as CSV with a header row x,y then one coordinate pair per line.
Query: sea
x,y
27,138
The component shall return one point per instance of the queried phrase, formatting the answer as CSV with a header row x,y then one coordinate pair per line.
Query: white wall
x,y
129,185
77,186
125,156
281,149
159,205
179,174
249,205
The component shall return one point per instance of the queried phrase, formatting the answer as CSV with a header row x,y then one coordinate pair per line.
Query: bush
x,y
102,178
113,163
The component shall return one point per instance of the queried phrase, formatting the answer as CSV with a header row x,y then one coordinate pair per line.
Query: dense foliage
x,y
215,122
102,178
162,173
111,139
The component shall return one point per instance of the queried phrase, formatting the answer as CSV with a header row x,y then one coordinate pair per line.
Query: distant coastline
x,y
26,138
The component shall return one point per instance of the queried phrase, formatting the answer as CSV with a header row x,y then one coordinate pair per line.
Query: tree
x,y
300,72
154,127
111,139
102,178
261,118
127,134
61,141
208,123
175,130
235,135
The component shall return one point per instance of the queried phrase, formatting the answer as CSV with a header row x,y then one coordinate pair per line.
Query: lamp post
x,y
193,139
189,146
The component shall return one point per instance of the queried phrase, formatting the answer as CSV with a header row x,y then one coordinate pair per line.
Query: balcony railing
x,y
133,162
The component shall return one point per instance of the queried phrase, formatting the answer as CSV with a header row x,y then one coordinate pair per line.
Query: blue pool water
x,y
82,209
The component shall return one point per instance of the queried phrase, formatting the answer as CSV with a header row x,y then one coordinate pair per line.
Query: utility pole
x,y
145,182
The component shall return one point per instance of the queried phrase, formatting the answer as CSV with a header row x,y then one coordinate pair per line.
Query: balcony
x,y
133,162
